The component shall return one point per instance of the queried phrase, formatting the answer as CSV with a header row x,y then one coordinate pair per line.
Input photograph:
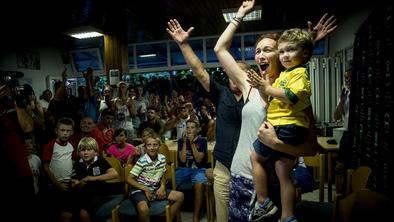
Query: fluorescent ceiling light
x,y
147,55
86,35
85,32
254,15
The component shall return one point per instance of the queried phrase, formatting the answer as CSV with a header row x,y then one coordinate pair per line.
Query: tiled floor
x,y
312,196
188,217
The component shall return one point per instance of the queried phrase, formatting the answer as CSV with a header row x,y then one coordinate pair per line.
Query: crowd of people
x,y
254,146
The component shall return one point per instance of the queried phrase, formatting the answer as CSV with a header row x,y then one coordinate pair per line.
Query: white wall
x,y
343,36
51,64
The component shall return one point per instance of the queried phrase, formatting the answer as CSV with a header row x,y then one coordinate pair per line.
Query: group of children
x,y
77,177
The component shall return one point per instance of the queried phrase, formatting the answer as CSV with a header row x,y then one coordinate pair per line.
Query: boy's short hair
x,y
65,121
28,136
87,143
154,136
299,36
193,121
147,130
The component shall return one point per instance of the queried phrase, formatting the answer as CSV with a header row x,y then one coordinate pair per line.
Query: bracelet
x,y
234,22
237,19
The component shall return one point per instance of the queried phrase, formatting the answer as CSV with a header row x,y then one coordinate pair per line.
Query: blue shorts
x,y
139,196
289,134
186,174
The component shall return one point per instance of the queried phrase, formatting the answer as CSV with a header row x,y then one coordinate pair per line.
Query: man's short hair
x,y
107,112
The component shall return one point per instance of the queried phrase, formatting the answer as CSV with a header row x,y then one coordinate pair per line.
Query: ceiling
x,y
144,21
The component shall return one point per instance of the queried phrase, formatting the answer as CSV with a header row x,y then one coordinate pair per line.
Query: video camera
x,y
10,77
21,94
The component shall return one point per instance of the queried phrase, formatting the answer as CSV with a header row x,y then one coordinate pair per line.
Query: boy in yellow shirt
x,y
288,98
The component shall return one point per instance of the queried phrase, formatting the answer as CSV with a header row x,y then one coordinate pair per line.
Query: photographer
x,y
14,122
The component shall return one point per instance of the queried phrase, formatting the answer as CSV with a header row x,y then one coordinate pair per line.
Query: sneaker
x,y
289,219
261,211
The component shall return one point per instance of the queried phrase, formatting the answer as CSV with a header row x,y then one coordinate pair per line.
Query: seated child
x,y
148,181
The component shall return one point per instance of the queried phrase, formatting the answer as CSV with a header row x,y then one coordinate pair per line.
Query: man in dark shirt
x,y
229,103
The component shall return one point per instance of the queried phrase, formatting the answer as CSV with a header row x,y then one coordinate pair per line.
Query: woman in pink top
x,y
122,150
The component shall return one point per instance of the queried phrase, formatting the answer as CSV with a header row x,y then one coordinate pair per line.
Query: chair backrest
x,y
364,205
170,175
358,178
118,167
318,165
165,151
356,181
127,170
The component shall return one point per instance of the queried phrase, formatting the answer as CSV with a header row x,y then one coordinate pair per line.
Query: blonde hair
x,y
153,136
87,143
300,37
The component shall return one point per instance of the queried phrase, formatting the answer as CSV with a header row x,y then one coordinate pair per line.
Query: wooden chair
x,y
318,165
157,208
363,205
116,187
115,163
356,180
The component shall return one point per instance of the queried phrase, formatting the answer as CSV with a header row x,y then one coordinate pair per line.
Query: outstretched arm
x,y
180,36
323,28
234,72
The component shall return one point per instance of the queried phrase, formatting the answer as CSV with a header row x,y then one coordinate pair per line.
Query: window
x,y
82,59
176,54
249,42
151,55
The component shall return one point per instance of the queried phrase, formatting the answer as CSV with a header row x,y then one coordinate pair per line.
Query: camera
x,y
9,77
23,95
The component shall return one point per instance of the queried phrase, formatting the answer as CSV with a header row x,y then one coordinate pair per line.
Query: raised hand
x,y
176,31
257,81
323,28
64,74
245,8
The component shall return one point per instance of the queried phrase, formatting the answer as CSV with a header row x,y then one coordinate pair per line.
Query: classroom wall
x,y
51,64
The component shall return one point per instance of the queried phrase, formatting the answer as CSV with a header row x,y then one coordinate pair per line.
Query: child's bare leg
x,y
177,198
198,196
259,176
143,211
283,168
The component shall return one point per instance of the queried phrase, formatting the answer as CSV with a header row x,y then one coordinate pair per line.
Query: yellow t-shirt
x,y
297,87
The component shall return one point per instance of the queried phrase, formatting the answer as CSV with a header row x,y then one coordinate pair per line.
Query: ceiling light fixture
x,y
147,55
254,15
85,32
